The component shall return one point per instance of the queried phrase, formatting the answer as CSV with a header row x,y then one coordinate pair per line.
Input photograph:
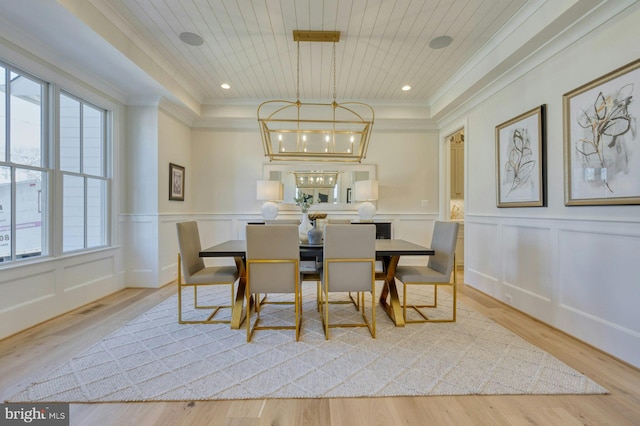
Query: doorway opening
x,y
456,189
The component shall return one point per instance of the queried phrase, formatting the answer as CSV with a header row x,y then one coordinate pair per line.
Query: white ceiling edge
x,y
174,109
48,39
243,114
115,31
532,28
595,18
25,50
382,125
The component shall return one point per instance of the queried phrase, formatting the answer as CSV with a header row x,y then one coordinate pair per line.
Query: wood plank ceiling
x,y
248,44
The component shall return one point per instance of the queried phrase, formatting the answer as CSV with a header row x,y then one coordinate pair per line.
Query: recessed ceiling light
x,y
225,86
191,39
406,88
440,42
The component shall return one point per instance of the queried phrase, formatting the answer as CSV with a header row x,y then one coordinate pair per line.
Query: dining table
x,y
388,250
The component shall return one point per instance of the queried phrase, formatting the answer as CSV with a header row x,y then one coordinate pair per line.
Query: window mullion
x,y
81,137
86,210
54,187
7,109
13,230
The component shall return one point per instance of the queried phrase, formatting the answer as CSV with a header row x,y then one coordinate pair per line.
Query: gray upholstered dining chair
x,y
437,272
192,272
339,221
273,258
349,266
282,222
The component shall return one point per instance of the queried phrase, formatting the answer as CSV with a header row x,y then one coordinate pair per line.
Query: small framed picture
x,y
176,182
521,160
348,195
601,140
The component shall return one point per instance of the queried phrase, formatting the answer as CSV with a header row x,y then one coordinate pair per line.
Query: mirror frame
x,y
288,179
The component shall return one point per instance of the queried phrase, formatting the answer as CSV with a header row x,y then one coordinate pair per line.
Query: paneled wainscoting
x,y
580,276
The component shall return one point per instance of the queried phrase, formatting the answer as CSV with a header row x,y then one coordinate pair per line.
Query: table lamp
x,y
269,191
367,191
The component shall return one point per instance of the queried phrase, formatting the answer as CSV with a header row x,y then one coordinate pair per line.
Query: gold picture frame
x,y
601,143
176,182
521,160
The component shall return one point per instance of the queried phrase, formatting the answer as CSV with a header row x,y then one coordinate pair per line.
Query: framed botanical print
x,y
521,160
176,182
601,141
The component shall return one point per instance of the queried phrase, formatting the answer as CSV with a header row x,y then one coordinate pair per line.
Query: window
x,y
23,176
27,190
82,163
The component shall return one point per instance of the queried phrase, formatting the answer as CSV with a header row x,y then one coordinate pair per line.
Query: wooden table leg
x,y
393,308
238,313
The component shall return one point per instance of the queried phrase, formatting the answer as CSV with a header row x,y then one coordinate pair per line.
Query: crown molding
x,y
573,24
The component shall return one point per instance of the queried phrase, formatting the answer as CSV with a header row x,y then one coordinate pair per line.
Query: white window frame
x,y
106,119
44,167
52,195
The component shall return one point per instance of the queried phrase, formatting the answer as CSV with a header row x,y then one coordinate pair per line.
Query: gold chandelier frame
x,y
315,131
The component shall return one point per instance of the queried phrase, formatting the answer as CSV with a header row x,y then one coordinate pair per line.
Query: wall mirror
x,y
330,185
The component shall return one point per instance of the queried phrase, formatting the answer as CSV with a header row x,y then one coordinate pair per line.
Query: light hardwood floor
x,y
29,355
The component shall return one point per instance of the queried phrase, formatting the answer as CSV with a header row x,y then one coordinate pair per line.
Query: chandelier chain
x,y
298,74
335,81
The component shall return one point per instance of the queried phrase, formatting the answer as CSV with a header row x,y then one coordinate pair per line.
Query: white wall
x,y
572,267
407,168
226,165
174,146
141,160
155,138
174,142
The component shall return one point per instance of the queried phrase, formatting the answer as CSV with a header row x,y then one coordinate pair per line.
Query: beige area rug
x,y
153,358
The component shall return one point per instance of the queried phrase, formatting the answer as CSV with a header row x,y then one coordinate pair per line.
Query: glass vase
x,y
315,234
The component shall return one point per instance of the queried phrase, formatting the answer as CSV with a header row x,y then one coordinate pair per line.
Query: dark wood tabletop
x,y
238,248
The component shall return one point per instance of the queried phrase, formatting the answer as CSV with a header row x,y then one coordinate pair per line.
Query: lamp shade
x,y
269,190
366,190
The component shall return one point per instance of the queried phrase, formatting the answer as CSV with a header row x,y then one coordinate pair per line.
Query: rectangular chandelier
x,y
298,131
315,131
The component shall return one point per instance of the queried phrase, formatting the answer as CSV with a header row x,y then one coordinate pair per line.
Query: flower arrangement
x,y
304,202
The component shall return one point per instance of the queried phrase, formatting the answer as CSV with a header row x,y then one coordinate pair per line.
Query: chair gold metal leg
x,y
326,311
248,314
417,308
373,310
179,291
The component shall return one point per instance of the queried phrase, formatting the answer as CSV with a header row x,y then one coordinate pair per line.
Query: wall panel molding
x,y
575,275
45,289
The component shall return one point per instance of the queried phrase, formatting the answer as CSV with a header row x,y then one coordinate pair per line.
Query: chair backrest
x,y
282,222
272,242
349,242
443,242
340,221
189,247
